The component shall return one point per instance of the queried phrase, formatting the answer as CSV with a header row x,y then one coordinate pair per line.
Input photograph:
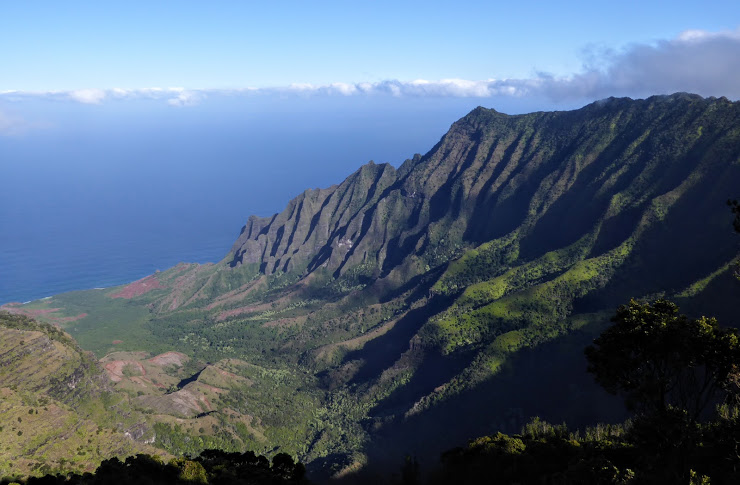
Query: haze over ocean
x,y
136,135
101,195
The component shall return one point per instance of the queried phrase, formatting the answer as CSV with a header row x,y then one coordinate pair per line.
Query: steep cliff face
x,y
511,224
465,282
319,227
542,179
511,232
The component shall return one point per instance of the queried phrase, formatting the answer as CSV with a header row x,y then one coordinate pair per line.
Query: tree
x,y
283,466
410,471
735,208
659,360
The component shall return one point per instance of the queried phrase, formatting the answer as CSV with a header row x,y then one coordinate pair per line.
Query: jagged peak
x,y
377,202
482,113
657,98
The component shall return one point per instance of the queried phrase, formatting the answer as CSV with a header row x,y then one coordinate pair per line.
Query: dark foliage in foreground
x,y
211,467
669,368
671,449
659,360
735,208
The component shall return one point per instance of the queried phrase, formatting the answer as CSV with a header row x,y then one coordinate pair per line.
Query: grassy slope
x,y
55,412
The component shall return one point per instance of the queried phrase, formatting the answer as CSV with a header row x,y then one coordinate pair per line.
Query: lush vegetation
x,y
660,360
210,467
670,369
396,298
56,412
643,451
735,208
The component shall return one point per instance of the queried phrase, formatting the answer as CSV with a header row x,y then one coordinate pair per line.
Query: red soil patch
x,y
273,305
116,342
224,373
181,267
205,401
237,311
200,294
238,294
140,381
181,284
174,304
38,313
138,288
215,390
169,358
45,314
115,369
70,319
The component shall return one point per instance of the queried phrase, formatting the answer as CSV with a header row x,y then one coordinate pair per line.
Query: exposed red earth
x,y
168,358
69,319
253,308
115,368
224,373
239,311
238,294
181,283
30,312
44,314
138,288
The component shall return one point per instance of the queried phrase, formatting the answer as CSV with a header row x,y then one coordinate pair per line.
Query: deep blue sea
x,y
100,195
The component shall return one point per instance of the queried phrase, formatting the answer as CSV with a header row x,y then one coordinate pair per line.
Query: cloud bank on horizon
x,y
701,62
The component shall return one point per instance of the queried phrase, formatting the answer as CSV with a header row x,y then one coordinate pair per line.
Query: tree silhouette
x,y
660,360
735,208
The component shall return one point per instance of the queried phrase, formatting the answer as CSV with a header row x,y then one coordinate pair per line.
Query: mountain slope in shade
x,y
494,175
401,297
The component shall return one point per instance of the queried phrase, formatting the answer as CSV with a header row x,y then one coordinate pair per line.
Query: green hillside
x,y
57,413
409,308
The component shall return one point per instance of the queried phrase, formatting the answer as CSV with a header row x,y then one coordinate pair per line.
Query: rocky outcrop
x,y
543,178
320,227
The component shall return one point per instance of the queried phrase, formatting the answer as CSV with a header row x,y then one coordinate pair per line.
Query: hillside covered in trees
x,y
410,308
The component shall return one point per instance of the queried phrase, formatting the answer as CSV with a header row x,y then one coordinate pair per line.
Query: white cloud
x,y
345,89
699,35
184,98
88,96
697,61
120,93
706,63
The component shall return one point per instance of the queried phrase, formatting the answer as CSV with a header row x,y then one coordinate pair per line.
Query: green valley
x,y
408,309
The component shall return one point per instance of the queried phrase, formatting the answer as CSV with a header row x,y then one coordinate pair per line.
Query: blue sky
x,y
73,45
514,56
137,134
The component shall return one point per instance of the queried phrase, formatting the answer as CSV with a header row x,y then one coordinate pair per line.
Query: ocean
x,y
101,195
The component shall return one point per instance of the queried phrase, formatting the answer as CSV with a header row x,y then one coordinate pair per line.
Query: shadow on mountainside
x,y
382,352
549,381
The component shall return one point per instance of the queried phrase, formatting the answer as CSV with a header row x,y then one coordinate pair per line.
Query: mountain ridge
x,y
418,178
402,292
